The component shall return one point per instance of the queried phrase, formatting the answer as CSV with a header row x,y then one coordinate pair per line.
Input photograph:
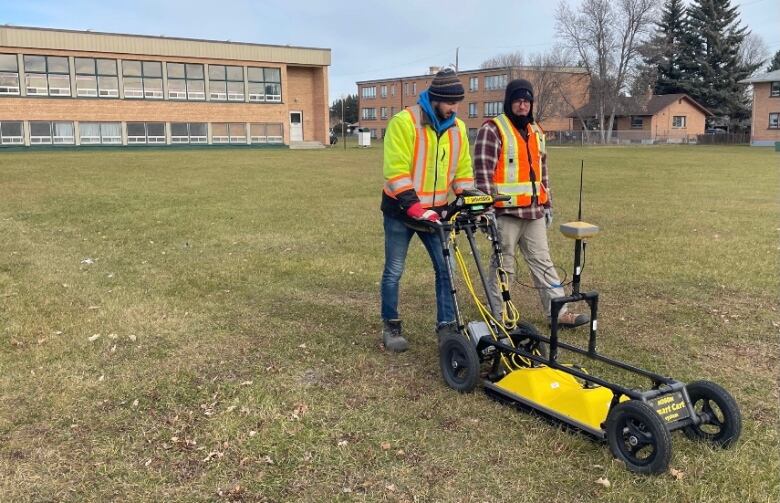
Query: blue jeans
x,y
397,238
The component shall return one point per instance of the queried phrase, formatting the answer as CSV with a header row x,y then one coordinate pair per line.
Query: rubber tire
x,y
651,424
459,362
732,419
528,328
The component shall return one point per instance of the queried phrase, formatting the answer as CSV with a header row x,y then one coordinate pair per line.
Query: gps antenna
x,y
579,210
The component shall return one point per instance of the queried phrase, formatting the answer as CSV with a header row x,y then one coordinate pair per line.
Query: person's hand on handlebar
x,y
417,212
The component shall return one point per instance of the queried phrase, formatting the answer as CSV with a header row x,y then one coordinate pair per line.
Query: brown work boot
x,y
572,320
392,338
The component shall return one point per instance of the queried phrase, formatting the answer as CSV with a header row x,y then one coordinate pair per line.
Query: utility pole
x,y
457,49
343,135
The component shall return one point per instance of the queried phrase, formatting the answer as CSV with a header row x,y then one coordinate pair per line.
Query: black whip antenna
x,y
579,210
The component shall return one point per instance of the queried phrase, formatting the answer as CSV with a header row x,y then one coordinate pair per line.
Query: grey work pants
x,y
531,237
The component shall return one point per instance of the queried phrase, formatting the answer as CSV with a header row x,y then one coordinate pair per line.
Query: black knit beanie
x,y
446,87
515,90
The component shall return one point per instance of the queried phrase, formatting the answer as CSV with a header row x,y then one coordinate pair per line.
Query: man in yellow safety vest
x,y
510,157
426,155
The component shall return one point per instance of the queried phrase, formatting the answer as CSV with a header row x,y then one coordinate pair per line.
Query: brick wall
x,y
763,105
574,86
303,88
694,120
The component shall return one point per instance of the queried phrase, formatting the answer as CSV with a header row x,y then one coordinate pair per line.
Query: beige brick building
x,y
61,87
765,125
668,118
557,92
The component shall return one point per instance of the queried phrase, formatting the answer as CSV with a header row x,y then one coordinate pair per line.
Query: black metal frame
x,y
466,221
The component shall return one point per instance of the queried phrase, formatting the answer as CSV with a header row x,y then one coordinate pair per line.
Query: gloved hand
x,y
417,212
548,217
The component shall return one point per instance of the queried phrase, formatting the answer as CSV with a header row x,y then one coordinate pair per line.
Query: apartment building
x,y
558,91
64,87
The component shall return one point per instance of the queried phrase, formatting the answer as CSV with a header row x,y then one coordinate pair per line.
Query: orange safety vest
x,y
519,169
431,188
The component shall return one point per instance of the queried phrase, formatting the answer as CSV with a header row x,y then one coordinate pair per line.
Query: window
x,y
48,133
414,88
185,81
382,132
472,109
774,121
493,108
142,79
47,76
189,132
228,132
774,89
266,133
637,122
678,121
369,92
392,111
11,133
9,74
226,83
100,133
474,84
383,112
369,113
265,84
372,132
139,133
96,78
383,91
406,88
494,82
473,133
392,90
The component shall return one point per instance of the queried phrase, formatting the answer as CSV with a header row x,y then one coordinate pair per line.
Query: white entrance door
x,y
296,126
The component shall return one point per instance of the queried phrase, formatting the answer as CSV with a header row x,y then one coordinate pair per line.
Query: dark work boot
x,y
391,336
447,328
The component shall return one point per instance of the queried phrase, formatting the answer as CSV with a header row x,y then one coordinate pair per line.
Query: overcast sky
x,y
368,39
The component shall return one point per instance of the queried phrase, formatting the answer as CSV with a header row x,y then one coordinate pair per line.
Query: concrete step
x,y
305,145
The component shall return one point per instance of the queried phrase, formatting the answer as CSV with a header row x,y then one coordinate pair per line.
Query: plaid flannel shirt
x,y
487,151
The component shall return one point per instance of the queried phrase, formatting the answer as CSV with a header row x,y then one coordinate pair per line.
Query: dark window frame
x,y
777,121
227,81
265,83
47,74
144,79
6,90
187,79
98,73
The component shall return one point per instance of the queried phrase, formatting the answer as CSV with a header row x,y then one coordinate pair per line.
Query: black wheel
x,y
721,420
459,362
522,336
638,437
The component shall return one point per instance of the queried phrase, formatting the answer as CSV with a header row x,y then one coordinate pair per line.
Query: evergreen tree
x,y
775,63
350,109
664,49
713,28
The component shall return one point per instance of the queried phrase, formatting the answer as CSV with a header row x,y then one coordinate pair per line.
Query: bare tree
x,y
606,36
507,60
753,52
554,84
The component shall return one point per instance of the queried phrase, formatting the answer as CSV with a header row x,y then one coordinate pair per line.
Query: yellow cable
x,y
484,311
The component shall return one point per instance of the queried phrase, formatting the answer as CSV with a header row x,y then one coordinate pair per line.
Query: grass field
x,y
202,325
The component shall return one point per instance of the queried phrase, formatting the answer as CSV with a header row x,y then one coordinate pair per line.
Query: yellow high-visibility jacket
x,y
420,165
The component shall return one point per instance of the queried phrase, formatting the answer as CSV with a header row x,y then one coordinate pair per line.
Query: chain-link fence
x,y
642,137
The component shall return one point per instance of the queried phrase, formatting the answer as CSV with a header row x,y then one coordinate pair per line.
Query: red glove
x,y
417,212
